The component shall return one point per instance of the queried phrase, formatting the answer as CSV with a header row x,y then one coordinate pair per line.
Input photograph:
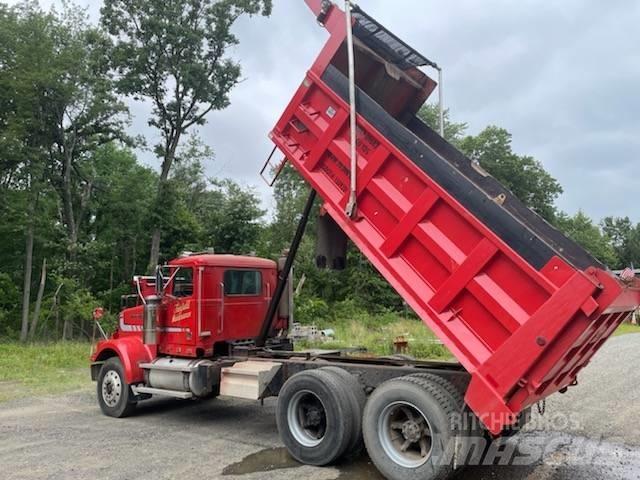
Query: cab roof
x,y
211,260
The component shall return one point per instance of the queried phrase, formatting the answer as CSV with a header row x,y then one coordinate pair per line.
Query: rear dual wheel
x,y
410,428
319,415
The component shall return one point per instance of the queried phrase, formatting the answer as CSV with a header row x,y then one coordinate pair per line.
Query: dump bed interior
x,y
521,228
391,89
520,305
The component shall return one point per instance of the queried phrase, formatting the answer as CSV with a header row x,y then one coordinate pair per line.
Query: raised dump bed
x,y
522,307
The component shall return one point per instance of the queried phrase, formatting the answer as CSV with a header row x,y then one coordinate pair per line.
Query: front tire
x,y
114,393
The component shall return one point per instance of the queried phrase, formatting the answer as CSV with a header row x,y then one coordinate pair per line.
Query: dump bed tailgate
x,y
519,305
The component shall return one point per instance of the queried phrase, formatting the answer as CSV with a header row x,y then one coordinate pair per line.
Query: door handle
x,y
221,326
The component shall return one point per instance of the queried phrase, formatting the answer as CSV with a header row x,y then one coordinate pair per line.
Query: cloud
x,y
562,77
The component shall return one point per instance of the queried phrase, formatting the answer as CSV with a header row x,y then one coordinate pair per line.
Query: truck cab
x,y
206,302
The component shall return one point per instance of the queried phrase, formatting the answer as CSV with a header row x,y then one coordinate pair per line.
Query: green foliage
x,y
522,174
175,55
376,334
9,301
311,310
627,328
68,174
290,194
39,369
119,226
492,149
79,306
625,239
205,213
453,132
582,229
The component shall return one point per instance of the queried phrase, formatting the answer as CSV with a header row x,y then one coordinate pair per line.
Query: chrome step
x,y
160,391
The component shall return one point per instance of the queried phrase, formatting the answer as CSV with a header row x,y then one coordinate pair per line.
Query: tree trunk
x,y
36,311
26,288
134,262
67,329
57,307
155,250
67,203
169,157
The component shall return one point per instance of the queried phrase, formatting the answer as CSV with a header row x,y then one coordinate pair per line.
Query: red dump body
x,y
520,306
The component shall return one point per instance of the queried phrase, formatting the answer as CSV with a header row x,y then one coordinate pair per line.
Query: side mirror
x,y
159,281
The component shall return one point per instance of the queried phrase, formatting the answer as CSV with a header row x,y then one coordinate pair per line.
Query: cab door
x,y
245,296
180,305
209,302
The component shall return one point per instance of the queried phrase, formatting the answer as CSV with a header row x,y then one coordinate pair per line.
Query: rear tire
x,y
409,430
357,400
467,426
314,417
114,393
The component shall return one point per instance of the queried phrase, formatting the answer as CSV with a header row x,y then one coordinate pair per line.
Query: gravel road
x,y
589,433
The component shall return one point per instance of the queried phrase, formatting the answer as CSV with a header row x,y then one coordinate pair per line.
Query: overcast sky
x,y
562,77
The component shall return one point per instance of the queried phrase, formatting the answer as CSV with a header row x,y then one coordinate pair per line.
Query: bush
x,y
429,350
311,310
9,307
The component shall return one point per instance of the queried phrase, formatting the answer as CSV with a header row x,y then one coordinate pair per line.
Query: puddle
x,y
358,468
262,461
535,455
270,459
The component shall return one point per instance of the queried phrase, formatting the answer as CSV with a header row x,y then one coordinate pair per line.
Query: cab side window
x,y
242,282
183,283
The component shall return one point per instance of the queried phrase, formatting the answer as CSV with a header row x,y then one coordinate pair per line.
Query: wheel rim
x,y
111,388
405,434
307,418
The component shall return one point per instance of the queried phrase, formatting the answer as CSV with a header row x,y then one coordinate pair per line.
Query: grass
x,y
41,369
627,328
376,334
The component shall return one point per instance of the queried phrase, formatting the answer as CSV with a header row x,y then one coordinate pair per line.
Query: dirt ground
x,y
590,432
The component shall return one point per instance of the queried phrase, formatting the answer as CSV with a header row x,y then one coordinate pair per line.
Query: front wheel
x,y
114,393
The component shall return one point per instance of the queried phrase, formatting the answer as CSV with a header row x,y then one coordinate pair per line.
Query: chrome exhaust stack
x,y
150,320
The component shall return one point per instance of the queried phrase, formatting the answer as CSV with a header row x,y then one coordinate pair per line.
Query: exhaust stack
x,y
150,323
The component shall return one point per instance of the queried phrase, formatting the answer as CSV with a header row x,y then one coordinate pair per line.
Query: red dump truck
x,y
522,307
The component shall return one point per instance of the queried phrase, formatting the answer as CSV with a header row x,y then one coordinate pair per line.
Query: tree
x,y
87,115
236,226
173,54
522,174
582,230
28,39
453,132
625,238
290,194
123,194
218,214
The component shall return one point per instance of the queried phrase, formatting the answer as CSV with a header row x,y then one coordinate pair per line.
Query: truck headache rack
x,y
521,306
385,43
